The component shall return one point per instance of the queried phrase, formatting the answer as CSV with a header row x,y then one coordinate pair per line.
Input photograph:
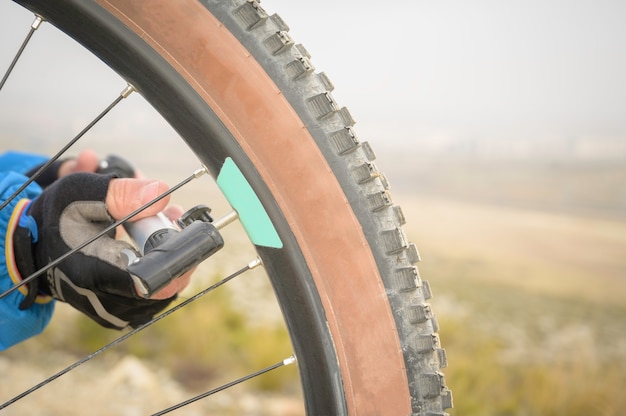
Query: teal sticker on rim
x,y
244,200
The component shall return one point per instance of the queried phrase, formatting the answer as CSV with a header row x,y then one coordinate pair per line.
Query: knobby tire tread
x,y
289,64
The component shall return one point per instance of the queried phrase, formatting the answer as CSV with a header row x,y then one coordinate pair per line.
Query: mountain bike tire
x,y
247,100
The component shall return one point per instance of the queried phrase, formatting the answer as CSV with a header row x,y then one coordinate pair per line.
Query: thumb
x,y
126,195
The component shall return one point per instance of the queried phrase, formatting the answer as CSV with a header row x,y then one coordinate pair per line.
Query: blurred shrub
x,y
207,343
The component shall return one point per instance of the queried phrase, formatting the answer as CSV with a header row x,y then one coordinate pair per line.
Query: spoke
x,y
125,93
253,264
36,23
111,227
286,361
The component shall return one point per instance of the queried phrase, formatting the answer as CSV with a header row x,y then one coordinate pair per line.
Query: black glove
x,y
49,175
111,165
94,280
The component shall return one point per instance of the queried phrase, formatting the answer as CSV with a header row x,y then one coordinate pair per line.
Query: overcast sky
x,y
481,68
409,71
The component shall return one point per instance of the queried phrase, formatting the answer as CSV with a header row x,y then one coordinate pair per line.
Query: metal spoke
x,y
33,27
253,264
125,93
286,361
111,227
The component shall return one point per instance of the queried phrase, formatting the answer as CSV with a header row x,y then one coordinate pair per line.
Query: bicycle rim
x,y
247,100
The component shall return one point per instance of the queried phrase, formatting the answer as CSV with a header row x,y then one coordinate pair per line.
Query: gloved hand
x,y
94,280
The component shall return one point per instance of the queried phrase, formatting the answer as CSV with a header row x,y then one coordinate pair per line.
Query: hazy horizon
x,y
411,73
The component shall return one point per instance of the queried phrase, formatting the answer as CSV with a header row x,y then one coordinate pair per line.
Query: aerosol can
x,y
166,249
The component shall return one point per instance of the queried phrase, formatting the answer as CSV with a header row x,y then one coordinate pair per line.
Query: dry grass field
x,y
529,290
531,307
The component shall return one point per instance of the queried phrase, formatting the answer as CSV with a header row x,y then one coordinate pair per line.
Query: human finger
x,y
126,195
87,161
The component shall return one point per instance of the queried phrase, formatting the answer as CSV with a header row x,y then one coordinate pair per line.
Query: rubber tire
x,y
231,81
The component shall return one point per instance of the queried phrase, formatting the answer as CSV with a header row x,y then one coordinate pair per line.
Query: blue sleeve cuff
x,y
17,325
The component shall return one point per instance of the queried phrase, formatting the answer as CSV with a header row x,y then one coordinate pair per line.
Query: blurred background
x,y
502,129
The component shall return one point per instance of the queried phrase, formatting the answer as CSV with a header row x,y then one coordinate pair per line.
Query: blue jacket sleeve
x,y
17,325
20,162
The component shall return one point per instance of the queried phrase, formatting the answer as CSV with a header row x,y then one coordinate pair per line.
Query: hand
x,y
87,161
125,196
94,280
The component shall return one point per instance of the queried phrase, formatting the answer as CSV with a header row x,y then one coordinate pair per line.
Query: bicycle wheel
x,y
230,80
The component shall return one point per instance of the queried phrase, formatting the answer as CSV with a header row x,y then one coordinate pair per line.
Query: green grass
x,y
516,352
485,384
